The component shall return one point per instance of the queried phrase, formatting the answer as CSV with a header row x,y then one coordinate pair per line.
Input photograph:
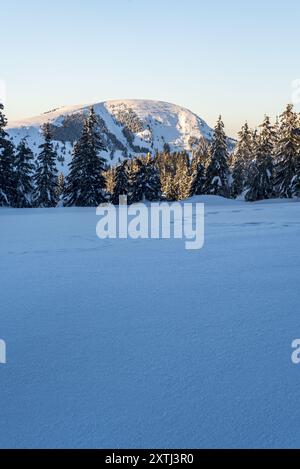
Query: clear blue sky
x,y
223,57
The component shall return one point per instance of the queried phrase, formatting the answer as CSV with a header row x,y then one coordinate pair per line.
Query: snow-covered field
x,y
130,343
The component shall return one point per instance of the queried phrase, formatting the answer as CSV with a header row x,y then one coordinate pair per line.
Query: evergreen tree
x,y
254,136
45,191
242,158
276,136
168,191
165,163
167,148
198,177
296,179
60,185
218,174
287,154
152,190
144,180
260,177
23,175
133,168
7,186
201,153
85,185
182,179
110,175
121,182
252,182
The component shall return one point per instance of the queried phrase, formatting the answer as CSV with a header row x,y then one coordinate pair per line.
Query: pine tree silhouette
x,y
218,174
85,184
7,183
45,191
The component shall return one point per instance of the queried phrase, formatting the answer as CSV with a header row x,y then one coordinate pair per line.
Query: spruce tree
x,y
133,166
60,185
276,136
144,180
85,185
242,158
201,153
152,190
7,183
218,174
260,178
252,182
165,163
121,182
168,191
137,181
23,175
198,177
287,154
265,158
45,179
110,175
182,179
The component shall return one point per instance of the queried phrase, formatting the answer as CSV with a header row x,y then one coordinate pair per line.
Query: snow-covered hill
x,y
128,127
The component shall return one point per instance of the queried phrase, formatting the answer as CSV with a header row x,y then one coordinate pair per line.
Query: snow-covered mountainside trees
x,y
265,163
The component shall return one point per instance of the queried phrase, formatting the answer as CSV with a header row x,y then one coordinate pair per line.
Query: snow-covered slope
x,y
138,343
128,127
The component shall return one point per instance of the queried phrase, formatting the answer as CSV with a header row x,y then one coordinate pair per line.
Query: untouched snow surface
x,y
132,343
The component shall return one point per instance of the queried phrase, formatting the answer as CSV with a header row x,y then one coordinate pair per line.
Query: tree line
x,y
264,164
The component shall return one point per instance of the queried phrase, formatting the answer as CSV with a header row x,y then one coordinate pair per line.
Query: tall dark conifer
x,y
7,185
144,180
198,177
153,185
201,153
45,179
242,157
259,184
23,175
287,154
121,182
182,178
85,184
166,165
218,174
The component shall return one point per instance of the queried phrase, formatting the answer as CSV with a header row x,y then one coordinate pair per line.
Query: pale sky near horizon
x,y
228,58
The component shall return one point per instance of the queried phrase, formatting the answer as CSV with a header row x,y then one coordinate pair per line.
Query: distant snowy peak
x,y
128,128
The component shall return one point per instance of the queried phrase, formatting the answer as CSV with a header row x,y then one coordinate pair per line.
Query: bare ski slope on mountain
x,y
140,343
128,127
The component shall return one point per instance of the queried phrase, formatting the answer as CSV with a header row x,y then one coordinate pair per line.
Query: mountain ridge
x,y
129,127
